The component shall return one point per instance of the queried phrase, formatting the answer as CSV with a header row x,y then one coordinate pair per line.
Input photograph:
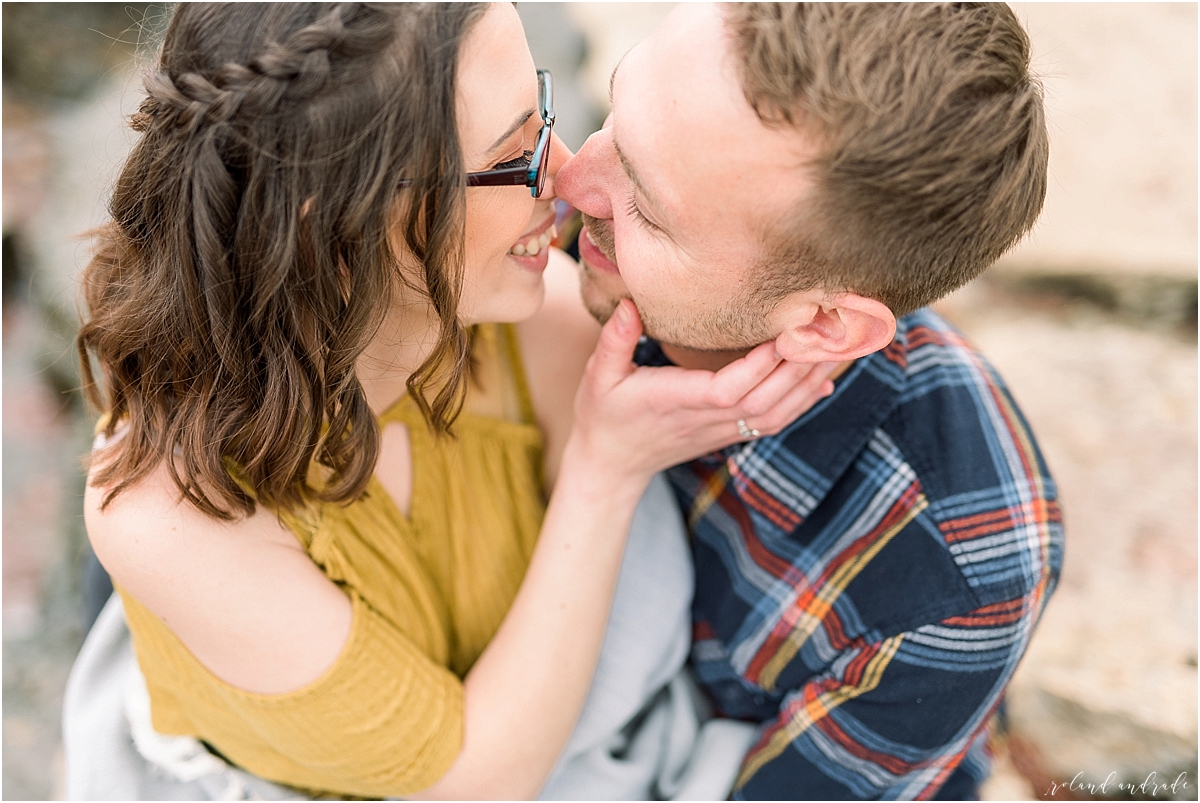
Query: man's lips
x,y
592,254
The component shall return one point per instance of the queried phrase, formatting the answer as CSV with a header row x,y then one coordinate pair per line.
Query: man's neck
x,y
705,360
716,360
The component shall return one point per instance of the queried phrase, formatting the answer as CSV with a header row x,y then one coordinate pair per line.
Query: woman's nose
x,y
559,155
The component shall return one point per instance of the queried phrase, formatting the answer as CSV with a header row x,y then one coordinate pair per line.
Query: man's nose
x,y
584,182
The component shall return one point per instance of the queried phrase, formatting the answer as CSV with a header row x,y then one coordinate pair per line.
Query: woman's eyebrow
x,y
520,121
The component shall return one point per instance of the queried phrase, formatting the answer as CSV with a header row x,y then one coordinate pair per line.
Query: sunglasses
x,y
532,175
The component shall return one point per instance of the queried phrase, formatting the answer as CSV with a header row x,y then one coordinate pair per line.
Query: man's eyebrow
x,y
625,165
613,78
520,121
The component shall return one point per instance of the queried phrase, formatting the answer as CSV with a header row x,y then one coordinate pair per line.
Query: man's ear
x,y
843,327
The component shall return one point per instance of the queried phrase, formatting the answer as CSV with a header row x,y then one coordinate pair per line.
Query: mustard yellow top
x,y
428,592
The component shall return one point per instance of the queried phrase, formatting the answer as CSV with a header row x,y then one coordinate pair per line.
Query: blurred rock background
x,y
1092,321
64,66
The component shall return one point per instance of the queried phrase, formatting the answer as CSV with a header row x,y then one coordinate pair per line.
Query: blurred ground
x,y
42,541
1109,682
1100,352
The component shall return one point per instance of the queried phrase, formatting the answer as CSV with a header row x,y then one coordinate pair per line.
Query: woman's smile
x,y
531,251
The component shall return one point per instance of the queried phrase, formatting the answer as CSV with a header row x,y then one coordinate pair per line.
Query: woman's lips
x,y
593,256
536,241
532,251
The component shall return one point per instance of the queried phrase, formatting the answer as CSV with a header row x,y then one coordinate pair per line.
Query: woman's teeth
x,y
531,248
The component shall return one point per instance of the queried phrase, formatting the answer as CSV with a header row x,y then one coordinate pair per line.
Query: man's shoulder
x,y
955,421
932,353
919,472
929,401
912,501
983,481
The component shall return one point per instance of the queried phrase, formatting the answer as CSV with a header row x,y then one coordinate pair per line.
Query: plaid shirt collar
x,y
830,436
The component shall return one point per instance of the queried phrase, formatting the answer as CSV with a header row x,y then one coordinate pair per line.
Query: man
x,y
867,579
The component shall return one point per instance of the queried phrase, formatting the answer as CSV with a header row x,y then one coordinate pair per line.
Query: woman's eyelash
x,y
521,161
637,214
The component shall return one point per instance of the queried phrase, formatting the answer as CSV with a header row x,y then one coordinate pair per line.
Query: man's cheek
x,y
631,281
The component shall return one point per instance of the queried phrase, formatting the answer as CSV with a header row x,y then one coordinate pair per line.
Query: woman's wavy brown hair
x,y
247,262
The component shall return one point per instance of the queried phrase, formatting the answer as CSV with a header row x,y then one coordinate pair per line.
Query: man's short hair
x,y
931,141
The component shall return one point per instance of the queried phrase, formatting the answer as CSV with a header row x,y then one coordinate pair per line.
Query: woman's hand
x,y
524,694
636,421
522,697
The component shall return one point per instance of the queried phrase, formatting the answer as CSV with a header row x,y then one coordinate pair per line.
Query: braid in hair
x,y
297,69
248,264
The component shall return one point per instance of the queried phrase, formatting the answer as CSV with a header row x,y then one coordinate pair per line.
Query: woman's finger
x,y
612,360
784,382
796,402
729,385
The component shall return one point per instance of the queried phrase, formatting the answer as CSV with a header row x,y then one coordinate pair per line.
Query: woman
x,y
320,486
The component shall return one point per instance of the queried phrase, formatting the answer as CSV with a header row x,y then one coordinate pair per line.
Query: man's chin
x,y
602,292
600,302
601,308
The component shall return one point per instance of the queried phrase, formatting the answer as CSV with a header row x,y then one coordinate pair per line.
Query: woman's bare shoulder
x,y
242,595
149,528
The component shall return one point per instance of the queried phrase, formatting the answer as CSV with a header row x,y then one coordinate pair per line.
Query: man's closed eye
x,y
636,212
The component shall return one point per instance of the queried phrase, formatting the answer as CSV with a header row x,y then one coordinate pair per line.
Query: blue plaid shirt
x,y
868,579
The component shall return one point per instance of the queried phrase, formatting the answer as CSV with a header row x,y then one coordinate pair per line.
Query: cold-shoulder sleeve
x,y
429,587
383,721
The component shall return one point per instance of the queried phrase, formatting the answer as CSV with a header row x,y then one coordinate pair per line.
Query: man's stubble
x,y
738,323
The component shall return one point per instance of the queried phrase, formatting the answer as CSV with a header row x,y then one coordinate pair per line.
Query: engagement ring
x,y
745,431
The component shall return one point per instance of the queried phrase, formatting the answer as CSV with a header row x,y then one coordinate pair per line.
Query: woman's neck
x,y
404,340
